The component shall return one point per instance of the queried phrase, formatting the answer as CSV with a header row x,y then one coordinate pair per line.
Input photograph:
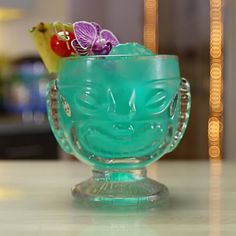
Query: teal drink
x,y
119,114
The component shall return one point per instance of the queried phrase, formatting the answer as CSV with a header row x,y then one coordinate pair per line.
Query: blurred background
x,y
184,30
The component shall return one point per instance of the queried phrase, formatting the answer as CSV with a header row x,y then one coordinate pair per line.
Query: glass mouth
x,y
121,57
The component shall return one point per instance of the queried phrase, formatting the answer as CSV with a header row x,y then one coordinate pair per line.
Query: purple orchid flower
x,y
91,39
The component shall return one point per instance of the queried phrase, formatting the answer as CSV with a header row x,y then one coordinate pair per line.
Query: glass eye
x,y
87,101
157,100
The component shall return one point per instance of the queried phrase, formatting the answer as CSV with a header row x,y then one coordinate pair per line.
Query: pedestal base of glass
x,y
117,188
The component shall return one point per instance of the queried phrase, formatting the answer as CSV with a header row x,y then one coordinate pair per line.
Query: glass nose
x,y
123,104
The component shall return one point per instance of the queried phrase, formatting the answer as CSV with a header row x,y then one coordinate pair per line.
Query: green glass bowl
x,y
119,114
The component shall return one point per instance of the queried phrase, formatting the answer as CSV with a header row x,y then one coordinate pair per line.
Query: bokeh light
x,y
150,24
215,124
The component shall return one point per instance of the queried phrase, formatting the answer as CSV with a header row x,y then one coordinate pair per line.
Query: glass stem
x,y
119,175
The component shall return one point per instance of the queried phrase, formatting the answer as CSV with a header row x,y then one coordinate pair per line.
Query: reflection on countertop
x,y
38,201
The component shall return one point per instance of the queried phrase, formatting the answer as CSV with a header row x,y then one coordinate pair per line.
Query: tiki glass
x,y
119,114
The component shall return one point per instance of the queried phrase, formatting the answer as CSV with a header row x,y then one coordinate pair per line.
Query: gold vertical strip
x,y
215,124
150,24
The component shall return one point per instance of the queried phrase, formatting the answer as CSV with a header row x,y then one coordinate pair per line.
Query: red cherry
x,y
61,43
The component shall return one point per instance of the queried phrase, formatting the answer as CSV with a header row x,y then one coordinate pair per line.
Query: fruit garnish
x,y
133,49
92,39
42,34
61,43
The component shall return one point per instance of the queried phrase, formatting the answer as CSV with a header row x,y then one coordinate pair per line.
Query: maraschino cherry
x,y
61,43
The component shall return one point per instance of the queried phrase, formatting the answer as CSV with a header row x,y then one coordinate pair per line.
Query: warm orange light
x,y
215,125
8,194
10,13
150,24
213,129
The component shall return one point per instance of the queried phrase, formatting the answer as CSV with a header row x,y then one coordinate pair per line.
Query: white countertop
x,y
35,199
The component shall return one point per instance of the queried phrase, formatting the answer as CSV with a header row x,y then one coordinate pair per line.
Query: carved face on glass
x,y
122,112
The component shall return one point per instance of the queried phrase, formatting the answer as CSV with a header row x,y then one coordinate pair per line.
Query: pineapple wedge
x,y
41,35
